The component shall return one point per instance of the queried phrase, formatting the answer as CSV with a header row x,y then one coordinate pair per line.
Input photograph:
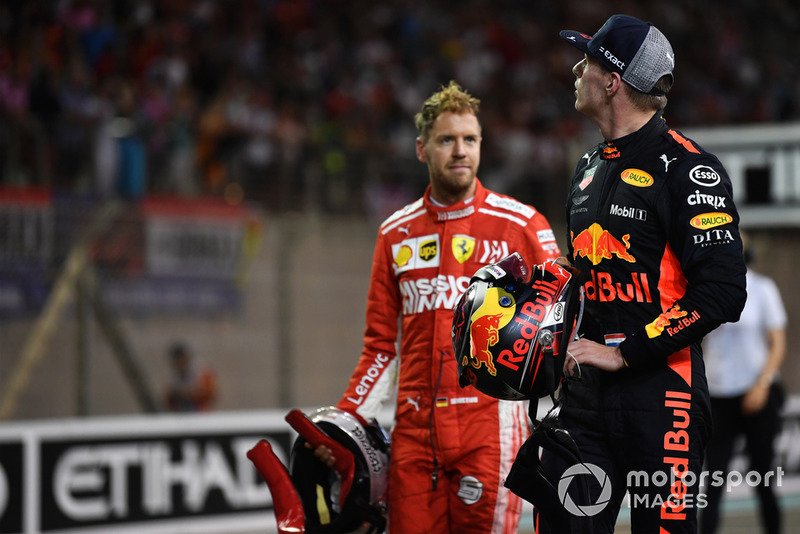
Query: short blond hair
x,y
451,98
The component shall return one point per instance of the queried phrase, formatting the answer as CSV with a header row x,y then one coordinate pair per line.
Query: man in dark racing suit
x,y
654,231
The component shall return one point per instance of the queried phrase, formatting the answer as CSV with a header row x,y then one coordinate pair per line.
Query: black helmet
x,y
345,505
510,333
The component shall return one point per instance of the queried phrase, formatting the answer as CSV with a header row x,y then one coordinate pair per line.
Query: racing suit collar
x,y
458,210
616,148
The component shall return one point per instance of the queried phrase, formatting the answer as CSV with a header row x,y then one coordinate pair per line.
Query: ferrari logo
x,y
463,246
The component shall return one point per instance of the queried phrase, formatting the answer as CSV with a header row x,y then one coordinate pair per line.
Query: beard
x,y
451,187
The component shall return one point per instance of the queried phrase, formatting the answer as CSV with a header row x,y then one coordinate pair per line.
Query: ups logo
x,y
428,250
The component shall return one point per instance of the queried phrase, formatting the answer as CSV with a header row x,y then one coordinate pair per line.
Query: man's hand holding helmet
x,y
581,351
343,492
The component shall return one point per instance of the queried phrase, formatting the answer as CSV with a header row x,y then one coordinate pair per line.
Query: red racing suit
x,y
451,447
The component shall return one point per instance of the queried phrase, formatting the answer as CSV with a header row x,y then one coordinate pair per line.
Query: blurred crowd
x,y
299,104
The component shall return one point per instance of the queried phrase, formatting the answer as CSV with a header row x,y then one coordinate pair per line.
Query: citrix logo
x,y
698,198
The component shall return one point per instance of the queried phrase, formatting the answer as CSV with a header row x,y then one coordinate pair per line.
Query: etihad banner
x,y
138,474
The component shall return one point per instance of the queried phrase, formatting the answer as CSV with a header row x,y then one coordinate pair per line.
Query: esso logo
x,y
704,175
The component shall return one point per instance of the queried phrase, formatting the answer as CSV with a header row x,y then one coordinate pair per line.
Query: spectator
x,y
743,360
192,386
351,69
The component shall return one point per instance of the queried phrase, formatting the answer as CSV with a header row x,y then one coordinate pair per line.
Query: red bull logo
x,y
673,320
485,327
610,152
603,288
676,447
598,244
484,334
530,317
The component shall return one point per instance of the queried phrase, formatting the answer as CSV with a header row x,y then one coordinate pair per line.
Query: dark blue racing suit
x,y
654,231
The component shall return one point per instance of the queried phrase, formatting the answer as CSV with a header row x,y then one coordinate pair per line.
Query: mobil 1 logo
x,y
628,212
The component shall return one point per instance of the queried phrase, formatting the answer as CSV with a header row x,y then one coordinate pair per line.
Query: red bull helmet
x,y
331,499
511,330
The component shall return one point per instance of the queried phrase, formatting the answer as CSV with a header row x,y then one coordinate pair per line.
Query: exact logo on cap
x,y
634,48
614,60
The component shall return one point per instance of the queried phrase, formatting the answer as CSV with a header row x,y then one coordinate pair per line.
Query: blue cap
x,y
637,50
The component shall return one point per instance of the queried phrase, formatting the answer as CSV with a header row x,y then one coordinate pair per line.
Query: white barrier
x,y
772,152
155,474
168,474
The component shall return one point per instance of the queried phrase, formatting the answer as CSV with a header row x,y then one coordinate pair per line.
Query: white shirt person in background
x,y
742,365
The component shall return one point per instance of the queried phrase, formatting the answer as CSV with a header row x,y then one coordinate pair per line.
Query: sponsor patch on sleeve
x,y
636,177
545,236
704,221
416,253
613,340
495,271
510,204
704,175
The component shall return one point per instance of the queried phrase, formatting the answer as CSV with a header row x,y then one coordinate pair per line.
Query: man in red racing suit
x,y
451,448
